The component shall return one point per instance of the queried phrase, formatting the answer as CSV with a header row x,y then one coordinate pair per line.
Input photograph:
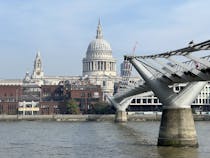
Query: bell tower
x,y
37,72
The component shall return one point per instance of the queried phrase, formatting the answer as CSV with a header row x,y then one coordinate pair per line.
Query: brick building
x,y
31,99
85,95
9,98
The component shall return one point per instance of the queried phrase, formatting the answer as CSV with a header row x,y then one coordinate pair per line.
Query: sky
x,y
62,30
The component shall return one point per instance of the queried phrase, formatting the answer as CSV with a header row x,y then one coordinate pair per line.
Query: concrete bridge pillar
x,y
121,116
177,128
120,105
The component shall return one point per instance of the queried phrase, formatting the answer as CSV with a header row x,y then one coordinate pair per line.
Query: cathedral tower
x,y
37,72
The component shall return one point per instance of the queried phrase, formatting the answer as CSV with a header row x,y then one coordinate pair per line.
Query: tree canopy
x,y
102,108
72,107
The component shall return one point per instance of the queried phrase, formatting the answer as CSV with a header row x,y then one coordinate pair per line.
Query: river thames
x,y
37,139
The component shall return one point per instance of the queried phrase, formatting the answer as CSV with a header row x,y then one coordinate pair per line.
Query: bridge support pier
x,y
120,105
177,128
121,116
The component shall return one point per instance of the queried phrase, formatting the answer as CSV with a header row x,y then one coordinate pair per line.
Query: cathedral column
x,y
96,66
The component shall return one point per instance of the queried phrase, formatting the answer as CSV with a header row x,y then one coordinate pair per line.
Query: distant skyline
x,y
62,30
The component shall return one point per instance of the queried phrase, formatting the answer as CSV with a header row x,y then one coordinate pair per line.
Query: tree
x,y
72,107
102,108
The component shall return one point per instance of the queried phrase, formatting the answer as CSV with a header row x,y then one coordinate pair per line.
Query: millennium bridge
x,y
160,72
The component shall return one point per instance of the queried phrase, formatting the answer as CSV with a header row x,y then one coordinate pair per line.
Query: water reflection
x,y
139,136
173,152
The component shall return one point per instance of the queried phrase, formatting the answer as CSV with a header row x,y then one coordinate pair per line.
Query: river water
x,y
36,139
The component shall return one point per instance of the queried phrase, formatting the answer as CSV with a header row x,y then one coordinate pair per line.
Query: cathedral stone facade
x,y
99,65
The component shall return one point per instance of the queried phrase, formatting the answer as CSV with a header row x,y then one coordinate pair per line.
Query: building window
x,y
89,94
96,94
155,100
82,94
133,101
177,88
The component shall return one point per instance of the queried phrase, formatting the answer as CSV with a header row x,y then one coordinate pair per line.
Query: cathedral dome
x,y
99,48
99,60
98,45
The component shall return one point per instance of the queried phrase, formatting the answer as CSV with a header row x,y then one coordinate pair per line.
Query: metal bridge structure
x,y
160,72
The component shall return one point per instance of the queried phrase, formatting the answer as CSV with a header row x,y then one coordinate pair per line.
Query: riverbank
x,y
84,118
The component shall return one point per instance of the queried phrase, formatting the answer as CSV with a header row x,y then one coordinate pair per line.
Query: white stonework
x,y
28,108
11,82
37,72
99,65
99,59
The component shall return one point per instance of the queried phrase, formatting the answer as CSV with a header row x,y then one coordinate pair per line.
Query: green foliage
x,y
102,108
72,107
